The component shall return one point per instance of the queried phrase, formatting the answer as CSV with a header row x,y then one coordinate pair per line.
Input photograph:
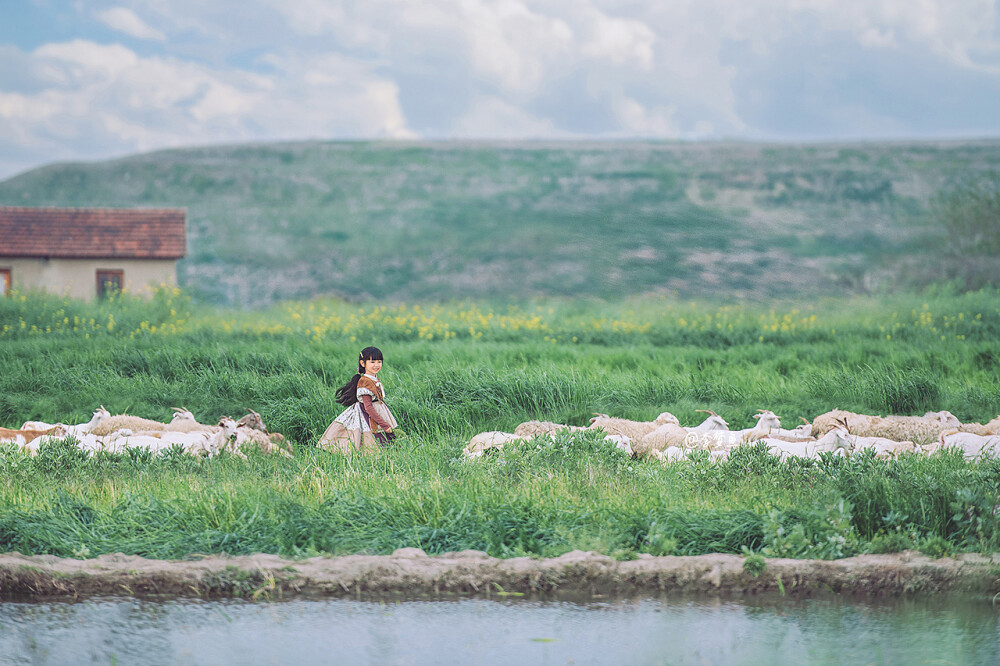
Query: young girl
x,y
367,421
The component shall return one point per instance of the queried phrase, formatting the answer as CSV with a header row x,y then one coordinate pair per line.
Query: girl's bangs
x,y
371,354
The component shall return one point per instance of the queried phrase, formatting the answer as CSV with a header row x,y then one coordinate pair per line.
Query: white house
x,y
88,252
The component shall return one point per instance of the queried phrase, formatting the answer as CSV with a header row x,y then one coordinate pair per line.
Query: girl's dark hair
x,y
347,394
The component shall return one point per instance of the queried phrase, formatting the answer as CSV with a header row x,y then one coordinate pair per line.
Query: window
x,y
5,282
109,283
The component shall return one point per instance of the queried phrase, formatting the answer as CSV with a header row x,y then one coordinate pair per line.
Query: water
x,y
649,631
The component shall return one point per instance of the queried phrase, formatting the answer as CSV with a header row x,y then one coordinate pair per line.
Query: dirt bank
x,y
410,572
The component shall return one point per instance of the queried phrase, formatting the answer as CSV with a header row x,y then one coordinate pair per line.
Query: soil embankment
x,y
410,573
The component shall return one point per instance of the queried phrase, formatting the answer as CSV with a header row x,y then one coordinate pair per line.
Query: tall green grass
x,y
543,497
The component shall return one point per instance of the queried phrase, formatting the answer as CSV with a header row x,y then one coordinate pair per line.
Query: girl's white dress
x,y
351,431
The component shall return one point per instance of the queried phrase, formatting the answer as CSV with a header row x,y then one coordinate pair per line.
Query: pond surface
x,y
648,631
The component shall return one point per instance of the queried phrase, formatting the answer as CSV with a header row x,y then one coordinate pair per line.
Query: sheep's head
x,y
716,421
181,414
839,438
667,417
945,417
252,420
228,425
58,431
599,417
767,418
805,428
100,414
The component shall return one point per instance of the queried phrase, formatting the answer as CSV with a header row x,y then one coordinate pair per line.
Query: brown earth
x,y
409,572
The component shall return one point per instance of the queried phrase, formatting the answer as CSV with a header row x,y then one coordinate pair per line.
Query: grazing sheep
x,y
804,430
258,438
823,423
991,428
713,440
666,436
100,414
24,437
492,439
253,420
634,430
621,443
669,454
713,422
972,446
184,421
903,428
769,421
133,423
944,416
785,449
883,447
532,428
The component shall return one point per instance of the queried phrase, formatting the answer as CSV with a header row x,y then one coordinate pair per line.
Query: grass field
x,y
452,370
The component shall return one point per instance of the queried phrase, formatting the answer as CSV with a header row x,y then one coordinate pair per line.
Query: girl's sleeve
x,y
367,400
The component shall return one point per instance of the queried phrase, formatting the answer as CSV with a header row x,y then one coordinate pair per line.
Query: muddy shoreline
x,y
410,573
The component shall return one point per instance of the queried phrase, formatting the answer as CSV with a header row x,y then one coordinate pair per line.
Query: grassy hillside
x,y
406,221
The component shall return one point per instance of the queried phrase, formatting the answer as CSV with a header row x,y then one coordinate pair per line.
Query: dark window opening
x,y
5,282
110,283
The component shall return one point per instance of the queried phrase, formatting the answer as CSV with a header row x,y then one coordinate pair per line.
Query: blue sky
x,y
91,80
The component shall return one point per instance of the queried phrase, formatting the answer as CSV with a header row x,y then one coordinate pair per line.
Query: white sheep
x,y
621,443
666,436
634,430
133,423
991,428
258,439
883,447
100,414
945,417
972,446
669,454
253,421
712,422
903,428
823,423
715,440
530,429
802,449
768,421
184,421
492,439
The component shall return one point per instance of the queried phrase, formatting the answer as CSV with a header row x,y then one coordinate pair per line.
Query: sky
x,y
89,80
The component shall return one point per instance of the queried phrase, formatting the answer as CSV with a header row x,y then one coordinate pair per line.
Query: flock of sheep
x,y
116,434
664,439
837,431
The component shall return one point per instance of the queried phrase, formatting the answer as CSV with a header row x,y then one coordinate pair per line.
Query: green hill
x,y
407,221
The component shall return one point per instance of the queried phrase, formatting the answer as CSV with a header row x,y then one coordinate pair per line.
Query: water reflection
x,y
648,631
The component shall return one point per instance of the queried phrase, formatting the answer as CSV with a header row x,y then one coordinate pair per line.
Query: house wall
x,y
77,278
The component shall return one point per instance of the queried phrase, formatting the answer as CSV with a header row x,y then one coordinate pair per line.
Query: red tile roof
x,y
97,233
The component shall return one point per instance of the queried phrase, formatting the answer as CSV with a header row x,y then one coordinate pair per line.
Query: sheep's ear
x,y
761,410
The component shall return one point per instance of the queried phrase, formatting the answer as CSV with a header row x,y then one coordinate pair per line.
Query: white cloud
x,y
100,100
125,20
636,120
494,118
260,69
